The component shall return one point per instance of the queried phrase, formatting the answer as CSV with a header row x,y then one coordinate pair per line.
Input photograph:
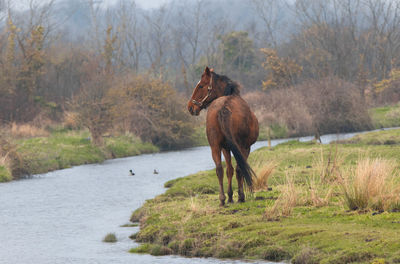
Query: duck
x,y
132,173
155,171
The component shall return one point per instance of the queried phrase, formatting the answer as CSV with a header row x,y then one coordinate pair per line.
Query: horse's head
x,y
201,96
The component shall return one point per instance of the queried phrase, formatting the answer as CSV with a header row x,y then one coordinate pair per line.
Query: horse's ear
x,y
207,70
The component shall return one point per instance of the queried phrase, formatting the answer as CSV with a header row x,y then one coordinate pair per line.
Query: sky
x,y
146,4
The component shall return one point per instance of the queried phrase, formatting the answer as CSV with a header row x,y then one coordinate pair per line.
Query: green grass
x,y
386,116
5,174
66,148
200,137
58,151
128,145
187,218
276,132
387,137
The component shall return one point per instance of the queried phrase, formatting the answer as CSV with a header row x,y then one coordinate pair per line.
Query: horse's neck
x,y
222,89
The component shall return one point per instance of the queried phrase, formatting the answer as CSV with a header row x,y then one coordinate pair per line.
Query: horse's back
x,y
242,121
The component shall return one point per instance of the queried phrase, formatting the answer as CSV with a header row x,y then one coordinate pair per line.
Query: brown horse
x,y
231,127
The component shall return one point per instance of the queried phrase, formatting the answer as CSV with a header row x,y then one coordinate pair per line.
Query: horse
x,y
230,126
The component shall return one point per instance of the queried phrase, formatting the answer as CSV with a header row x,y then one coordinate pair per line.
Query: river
x,y
62,216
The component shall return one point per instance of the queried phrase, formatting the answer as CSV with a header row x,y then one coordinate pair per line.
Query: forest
x,y
306,67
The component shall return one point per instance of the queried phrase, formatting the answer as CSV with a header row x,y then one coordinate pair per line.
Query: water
x,y
62,216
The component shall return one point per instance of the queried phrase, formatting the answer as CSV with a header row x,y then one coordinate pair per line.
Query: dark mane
x,y
232,87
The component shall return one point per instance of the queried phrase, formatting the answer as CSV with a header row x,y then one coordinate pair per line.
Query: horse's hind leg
x,y
240,178
216,155
229,173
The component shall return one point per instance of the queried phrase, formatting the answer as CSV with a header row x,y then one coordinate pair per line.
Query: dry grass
x,y
27,130
371,185
319,192
283,206
329,167
198,208
260,182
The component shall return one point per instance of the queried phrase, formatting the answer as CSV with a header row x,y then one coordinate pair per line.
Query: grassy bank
x,y
66,148
308,217
386,116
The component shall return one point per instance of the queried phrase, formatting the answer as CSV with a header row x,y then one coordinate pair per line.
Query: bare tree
x,y
269,11
157,39
130,41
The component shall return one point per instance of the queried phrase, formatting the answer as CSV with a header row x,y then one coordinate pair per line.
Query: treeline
x,y
121,68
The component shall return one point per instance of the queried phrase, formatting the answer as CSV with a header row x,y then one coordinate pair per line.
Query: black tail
x,y
224,121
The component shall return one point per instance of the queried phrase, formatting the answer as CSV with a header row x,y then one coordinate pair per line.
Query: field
x,y
336,203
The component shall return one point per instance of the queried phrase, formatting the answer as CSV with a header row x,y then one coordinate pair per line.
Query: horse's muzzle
x,y
193,109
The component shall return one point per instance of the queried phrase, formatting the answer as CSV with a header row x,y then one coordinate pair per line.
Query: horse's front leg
x,y
216,155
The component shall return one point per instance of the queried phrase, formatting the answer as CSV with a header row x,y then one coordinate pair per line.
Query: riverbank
x,y
381,117
308,217
63,149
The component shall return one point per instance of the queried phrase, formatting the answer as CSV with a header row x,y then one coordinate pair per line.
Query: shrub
x,y
283,110
153,110
329,105
335,105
